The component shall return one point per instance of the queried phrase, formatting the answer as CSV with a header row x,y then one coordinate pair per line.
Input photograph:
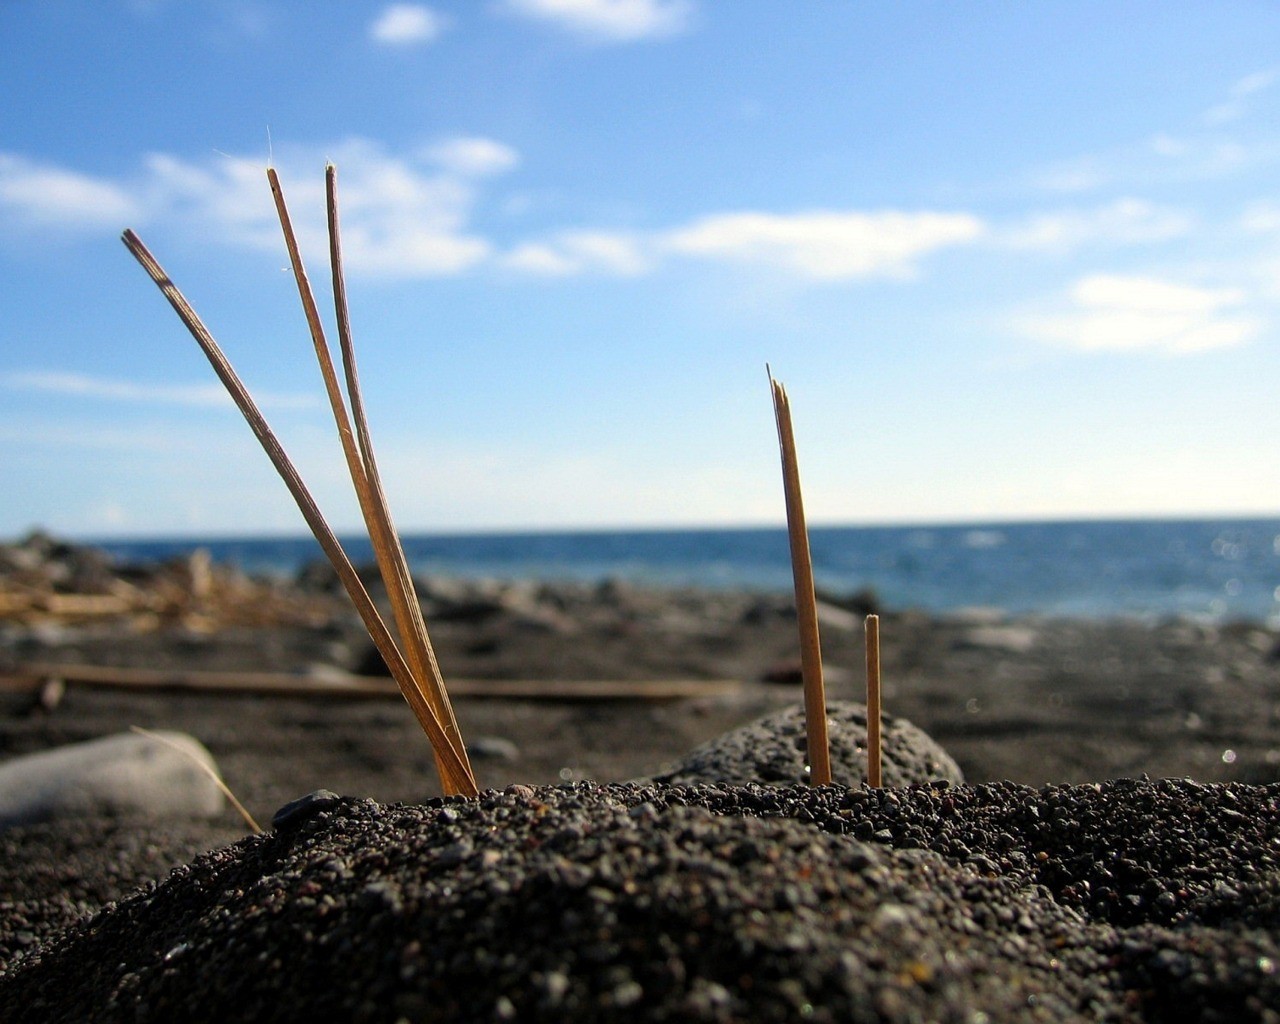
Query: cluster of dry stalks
x,y
412,661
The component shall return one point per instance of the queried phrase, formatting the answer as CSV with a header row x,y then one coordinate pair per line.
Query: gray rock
x,y
122,775
1013,639
772,751
493,748
308,806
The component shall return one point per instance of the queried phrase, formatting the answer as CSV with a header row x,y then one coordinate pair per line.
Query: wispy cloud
x,y
1236,105
191,395
1261,219
403,216
1115,313
400,218
1160,158
473,156
410,216
1198,152
41,194
1124,222
406,25
828,245
610,21
578,252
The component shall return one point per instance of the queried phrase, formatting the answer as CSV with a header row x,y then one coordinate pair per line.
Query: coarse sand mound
x,y
1127,901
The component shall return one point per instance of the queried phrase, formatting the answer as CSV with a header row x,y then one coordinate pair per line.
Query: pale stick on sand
x,y
815,701
456,776
873,701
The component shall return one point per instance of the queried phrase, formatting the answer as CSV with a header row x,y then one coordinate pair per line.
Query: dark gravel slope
x,y
1126,901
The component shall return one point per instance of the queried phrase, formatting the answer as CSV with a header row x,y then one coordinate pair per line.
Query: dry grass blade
x,y
455,776
873,701
815,701
387,551
217,779
390,552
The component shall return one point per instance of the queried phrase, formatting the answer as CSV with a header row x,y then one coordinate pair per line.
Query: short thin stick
x,y
815,701
454,773
873,701
213,775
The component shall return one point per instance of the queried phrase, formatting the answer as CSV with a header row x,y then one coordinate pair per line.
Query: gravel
x,y
1122,901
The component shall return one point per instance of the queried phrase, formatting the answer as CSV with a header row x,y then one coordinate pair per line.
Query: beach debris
x,y
412,660
872,626
46,582
806,601
32,677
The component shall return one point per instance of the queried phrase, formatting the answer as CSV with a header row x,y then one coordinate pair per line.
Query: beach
x,y
1024,701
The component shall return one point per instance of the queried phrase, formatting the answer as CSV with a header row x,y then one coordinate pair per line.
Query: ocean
x,y
1210,570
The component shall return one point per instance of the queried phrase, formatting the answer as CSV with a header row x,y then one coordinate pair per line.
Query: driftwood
x,y
33,677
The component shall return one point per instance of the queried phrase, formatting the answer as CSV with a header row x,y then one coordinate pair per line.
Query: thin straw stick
x,y
391,559
873,701
815,702
425,673
454,775
204,767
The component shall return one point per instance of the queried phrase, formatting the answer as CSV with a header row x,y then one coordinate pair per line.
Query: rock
x,y
861,603
786,672
831,616
493,748
318,576
122,775
1013,639
772,751
305,807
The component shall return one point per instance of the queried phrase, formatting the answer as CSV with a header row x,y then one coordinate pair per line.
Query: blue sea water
x,y
1211,570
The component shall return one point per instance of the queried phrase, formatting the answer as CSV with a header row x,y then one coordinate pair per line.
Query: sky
x,y
1011,261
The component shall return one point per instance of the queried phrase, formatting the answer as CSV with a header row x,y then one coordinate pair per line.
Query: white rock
x,y
127,774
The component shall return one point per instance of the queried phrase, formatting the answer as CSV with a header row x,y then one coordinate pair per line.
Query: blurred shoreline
x,y
1033,699
1212,570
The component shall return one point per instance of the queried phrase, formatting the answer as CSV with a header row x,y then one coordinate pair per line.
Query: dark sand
x,y
1028,701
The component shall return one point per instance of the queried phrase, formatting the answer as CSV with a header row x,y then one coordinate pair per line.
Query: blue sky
x,y
1011,260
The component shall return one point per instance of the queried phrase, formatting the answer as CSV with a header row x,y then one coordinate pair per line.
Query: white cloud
x,y
1124,222
1261,219
473,157
45,195
577,252
402,217
406,25
1236,104
1205,152
191,395
1200,157
826,245
1160,158
1115,313
610,20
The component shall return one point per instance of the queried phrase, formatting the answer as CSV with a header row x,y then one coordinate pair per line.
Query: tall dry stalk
x,y
872,626
815,700
414,669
